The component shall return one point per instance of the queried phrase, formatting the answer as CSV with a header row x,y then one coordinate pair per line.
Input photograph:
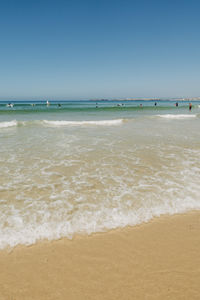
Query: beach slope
x,y
158,260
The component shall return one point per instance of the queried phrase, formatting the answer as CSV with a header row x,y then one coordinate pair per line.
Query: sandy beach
x,y
158,260
99,150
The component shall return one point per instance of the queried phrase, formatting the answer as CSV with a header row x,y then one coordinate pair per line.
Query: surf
x,y
84,123
177,116
8,124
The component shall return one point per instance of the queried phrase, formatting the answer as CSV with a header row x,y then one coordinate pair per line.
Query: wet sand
x,y
158,260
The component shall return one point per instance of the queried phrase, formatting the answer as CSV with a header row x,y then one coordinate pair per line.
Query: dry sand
x,y
158,260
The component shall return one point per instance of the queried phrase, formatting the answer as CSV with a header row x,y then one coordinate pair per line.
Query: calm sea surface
x,y
83,167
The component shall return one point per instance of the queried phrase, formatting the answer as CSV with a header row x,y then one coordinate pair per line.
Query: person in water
x,y
176,104
155,103
190,106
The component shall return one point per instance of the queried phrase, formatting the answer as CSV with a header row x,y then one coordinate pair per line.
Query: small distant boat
x,y
10,105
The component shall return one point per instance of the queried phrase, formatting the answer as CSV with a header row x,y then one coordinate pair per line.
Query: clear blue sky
x,y
99,49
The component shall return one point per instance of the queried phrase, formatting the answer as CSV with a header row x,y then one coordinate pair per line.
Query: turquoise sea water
x,y
69,108
89,166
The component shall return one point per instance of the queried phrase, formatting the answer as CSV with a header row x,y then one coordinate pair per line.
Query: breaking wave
x,y
48,123
174,116
8,124
80,123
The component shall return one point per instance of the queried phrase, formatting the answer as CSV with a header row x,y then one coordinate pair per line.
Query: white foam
x,y
86,222
174,116
80,123
72,210
70,186
61,123
8,124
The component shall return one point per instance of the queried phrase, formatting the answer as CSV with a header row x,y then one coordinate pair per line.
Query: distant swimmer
x,y
96,105
59,105
190,106
176,104
10,105
155,103
48,103
140,105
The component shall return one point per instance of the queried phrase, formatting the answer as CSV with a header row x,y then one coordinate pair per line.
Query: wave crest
x,y
84,123
171,116
8,124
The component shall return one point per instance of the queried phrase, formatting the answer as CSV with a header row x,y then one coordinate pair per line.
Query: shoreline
x,y
155,260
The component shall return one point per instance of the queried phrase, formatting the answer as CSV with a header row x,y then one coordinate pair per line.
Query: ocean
x,y
80,167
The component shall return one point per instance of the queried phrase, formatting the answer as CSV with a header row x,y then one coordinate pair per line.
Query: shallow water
x,y
81,169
